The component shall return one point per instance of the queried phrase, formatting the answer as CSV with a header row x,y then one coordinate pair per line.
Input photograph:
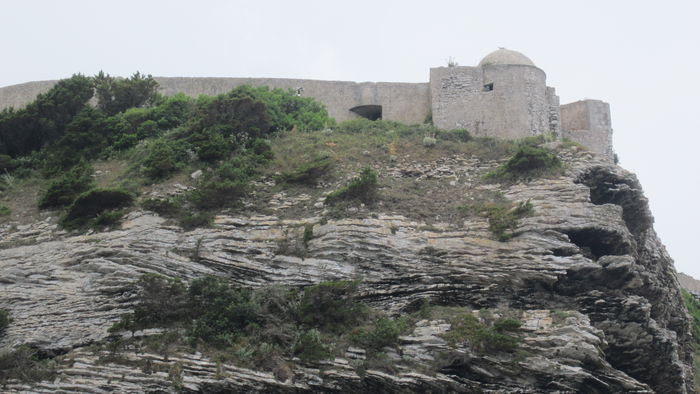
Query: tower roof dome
x,y
506,56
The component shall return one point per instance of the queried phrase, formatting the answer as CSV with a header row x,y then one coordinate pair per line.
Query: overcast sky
x,y
642,57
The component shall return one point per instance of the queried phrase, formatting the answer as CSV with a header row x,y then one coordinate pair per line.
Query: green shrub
x,y
88,207
66,188
331,306
225,186
527,161
309,172
286,110
221,311
25,365
238,114
363,188
164,300
5,211
504,217
384,332
163,159
118,94
310,347
5,319
85,137
219,193
466,327
210,144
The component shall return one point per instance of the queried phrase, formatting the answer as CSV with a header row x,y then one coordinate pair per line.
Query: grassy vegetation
x,y
5,211
309,172
528,161
362,188
503,216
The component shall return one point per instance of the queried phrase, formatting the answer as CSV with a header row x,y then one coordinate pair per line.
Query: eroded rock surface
x,y
593,286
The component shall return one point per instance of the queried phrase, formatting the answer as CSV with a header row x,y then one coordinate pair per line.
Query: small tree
x,y
115,95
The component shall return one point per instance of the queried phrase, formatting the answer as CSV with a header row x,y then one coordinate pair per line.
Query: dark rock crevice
x,y
610,188
596,242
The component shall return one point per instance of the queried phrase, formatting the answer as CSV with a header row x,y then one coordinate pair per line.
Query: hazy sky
x,y
642,57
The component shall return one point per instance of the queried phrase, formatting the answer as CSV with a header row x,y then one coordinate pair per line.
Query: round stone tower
x,y
504,96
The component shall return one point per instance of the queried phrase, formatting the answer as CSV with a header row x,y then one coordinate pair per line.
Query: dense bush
x,y
383,332
45,119
86,136
287,110
363,188
164,157
5,211
115,95
88,207
308,323
331,306
68,186
527,161
310,347
466,327
229,182
239,115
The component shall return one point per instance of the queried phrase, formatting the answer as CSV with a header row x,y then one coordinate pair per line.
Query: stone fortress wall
x,y
504,96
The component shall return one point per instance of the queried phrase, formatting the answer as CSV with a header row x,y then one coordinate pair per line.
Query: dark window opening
x,y
371,112
488,87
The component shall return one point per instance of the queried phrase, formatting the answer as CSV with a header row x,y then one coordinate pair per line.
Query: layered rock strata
x,y
587,276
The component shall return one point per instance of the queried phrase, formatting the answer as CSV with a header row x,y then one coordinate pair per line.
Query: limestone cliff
x,y
587,276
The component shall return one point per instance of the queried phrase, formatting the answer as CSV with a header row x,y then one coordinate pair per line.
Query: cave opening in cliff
x,y
371,112
608,188
595,243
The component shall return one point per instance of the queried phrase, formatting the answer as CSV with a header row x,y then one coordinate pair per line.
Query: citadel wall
x,y
401,102
505,95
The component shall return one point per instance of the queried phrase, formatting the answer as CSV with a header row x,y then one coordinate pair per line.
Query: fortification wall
x,y
17,96
554,111
506,101
588,123
402,102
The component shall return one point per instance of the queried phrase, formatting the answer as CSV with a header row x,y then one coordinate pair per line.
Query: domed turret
x,y
506,56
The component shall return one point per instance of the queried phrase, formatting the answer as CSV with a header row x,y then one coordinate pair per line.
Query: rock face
x,y
587,276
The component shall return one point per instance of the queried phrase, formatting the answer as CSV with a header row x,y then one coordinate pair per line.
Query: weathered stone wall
x,y
588,123
517,106
554,111
402,102
17,96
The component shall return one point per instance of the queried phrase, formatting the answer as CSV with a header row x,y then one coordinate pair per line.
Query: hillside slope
x,y
592,287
